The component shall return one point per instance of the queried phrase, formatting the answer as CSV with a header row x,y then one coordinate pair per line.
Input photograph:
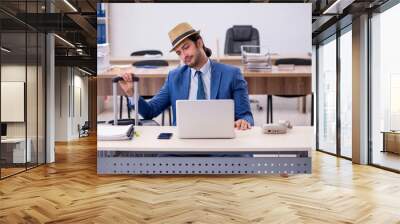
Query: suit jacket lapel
x,y
186,83
215,79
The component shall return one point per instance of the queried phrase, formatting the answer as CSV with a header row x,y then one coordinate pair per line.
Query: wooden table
x,y
274,82
391,141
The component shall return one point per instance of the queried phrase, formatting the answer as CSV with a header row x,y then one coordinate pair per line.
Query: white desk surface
x,y
297,139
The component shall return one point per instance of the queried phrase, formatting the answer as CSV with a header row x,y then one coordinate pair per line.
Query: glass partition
x,y
327,96
346,93
385,89
14,153
22,67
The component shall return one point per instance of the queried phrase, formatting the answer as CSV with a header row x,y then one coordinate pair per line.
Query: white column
x,y
360,90
50,98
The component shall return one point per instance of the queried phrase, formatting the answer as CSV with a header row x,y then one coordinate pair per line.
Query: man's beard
x,y
195,61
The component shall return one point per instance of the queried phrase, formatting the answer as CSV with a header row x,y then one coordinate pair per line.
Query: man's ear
x,y
199,43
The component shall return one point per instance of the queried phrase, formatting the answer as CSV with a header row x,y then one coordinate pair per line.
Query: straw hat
x,y
179,33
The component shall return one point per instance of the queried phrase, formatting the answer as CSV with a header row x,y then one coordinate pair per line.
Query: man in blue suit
x,y
198,79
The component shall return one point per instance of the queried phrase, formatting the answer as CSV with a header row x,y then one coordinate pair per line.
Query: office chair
x,y
237,36
146,52
148,64
84,130
293,61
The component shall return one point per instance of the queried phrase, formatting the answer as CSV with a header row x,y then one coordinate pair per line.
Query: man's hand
x,y
242,124
127,84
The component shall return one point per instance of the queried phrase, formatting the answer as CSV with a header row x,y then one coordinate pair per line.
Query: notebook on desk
x,y
114,132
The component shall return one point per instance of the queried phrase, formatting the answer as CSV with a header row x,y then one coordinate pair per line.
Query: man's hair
x,y
197,36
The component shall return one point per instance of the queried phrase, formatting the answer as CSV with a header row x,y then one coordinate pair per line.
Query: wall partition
x,y
22,77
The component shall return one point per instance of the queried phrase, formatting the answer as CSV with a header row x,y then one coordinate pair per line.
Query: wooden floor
x,y
386,159
70,191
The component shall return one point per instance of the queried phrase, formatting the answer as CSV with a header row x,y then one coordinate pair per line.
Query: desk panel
x,y
278,82
251,152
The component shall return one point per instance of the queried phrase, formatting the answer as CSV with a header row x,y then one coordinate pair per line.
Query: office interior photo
x,y
128,136
48,69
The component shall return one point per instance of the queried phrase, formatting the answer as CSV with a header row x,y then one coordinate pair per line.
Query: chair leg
x,y
162,118
271,109
169,116
120,107
312,109
128,108
267,109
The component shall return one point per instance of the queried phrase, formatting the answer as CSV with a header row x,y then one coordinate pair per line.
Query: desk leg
x,y
269,109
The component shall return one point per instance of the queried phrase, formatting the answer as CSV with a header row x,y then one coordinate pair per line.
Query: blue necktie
x,y
201,94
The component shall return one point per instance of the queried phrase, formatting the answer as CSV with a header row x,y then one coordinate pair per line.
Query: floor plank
x,y
70,191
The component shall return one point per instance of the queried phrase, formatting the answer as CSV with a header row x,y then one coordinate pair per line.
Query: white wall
x,y
61,103
68,83
285,28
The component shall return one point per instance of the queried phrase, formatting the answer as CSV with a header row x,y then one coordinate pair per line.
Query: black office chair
x,y
84,130
239,35
293,61
150,63
147,52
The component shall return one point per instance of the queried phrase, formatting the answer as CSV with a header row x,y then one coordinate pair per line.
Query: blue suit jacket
x,y
227,82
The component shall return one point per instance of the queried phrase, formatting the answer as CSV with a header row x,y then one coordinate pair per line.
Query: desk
x,y
274,82
273,154
391,141
226,59
13,150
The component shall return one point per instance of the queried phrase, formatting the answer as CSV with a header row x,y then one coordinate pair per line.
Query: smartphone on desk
x,y
164,136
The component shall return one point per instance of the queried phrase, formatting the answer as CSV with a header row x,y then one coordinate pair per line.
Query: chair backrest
x,y
293,61
86,125
150,63
239,35
146,52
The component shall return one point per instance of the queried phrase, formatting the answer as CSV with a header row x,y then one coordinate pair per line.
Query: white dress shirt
x,y
206,74
206,70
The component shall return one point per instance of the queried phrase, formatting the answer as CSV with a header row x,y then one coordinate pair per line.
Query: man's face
x,y
189,52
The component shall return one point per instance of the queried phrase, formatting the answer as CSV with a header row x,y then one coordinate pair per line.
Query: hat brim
x,y
182,39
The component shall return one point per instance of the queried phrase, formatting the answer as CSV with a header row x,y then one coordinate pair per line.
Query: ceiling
x,y
72,20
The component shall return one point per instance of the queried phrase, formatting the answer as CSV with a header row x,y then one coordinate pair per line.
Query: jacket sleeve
x,y
156,105
241,98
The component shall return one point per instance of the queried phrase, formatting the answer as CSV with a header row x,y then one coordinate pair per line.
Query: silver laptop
x,y
205,118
